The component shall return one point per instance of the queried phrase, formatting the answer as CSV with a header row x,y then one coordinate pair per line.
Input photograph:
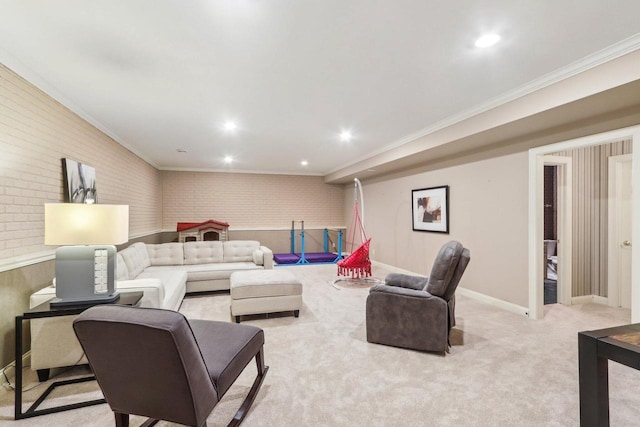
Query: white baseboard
x,y
395,269
26,361
498,303
588,299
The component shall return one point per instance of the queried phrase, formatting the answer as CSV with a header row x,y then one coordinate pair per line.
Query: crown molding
x,y
255,172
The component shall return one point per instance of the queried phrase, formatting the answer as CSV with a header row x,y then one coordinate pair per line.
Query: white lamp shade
x,y
81,224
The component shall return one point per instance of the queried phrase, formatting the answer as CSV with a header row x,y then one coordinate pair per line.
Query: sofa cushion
x,y
239,250
174,281
166,254
144,256
122,272
202,252
258,257
213,271
136,259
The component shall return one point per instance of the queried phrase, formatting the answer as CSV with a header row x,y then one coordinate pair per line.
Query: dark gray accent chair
x,y
156,363
418,312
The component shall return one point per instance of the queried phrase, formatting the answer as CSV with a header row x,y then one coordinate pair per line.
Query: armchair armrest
x,y
399,291
406,281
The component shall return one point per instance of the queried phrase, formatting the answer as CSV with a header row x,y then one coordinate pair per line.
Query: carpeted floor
x,y
503,369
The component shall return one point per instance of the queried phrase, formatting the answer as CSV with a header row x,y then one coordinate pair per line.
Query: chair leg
x,y
43,374
260,362
122,420
248,401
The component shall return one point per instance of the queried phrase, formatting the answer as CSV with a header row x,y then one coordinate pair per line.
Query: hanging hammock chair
x,y
358,264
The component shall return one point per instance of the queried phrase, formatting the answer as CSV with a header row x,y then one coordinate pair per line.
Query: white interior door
x,y
620,217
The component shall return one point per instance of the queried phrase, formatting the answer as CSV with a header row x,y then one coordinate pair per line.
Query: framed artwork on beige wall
x,y
79,182
430,209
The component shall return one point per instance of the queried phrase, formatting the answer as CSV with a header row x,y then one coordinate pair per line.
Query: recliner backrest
x,y
147,362
465,257
443,269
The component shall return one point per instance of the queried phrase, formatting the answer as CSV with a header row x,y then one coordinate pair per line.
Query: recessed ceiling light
x,y
230,126
487,40
228,159
304,163
345,136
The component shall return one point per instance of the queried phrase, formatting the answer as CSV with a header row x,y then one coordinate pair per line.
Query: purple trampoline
x,y
294,257
311,257
286,258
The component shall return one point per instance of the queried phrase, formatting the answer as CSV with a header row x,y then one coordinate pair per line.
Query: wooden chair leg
x,y
260,361
122,420
248,401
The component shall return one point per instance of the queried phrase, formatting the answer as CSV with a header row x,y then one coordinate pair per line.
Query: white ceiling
x,y
159,75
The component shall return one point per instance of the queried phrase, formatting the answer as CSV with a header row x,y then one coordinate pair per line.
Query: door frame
x,y
536,217
564,185
613,290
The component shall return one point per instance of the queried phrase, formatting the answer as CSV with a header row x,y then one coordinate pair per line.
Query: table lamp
x,y
86,271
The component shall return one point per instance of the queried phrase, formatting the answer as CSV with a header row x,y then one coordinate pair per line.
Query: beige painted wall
x,y
488,214
15,288
250,201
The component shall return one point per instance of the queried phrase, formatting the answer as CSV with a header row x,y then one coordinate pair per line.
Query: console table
x,y
45,310
595,348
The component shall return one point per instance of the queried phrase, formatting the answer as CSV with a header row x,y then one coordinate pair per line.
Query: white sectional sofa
x,y
208,264
164,273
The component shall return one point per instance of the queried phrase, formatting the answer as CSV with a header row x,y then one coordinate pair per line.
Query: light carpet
x,y
503,369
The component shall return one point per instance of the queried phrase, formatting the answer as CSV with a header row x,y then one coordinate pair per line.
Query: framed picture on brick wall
x,y
79,182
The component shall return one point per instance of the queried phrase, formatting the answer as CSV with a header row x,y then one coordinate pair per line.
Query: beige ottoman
x,y
264,291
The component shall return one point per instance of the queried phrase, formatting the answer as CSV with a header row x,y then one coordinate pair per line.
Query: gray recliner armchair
x,y
156,363
418,312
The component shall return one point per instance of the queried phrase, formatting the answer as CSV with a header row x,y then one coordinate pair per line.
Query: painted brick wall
x,y
251,200
36,132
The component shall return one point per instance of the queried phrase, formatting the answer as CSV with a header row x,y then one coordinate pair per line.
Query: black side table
x,y
595,348
45,310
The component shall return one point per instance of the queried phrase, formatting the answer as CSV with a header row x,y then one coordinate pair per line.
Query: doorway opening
x,y
550,206
580,291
